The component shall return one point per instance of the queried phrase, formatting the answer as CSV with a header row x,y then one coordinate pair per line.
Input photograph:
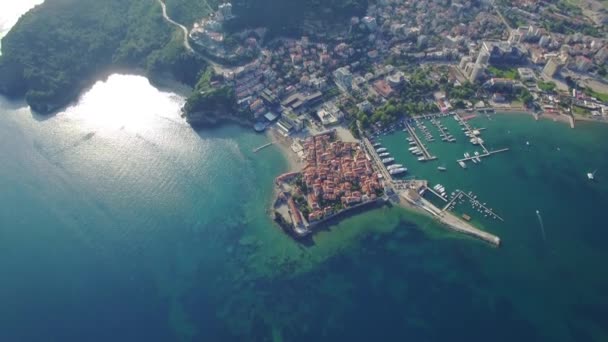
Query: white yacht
x,y
397,171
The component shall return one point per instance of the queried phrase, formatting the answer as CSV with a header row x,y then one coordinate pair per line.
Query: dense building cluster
x,y
336,172
294,80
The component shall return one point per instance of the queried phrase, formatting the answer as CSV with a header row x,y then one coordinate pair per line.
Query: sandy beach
x,y
542,116
284,145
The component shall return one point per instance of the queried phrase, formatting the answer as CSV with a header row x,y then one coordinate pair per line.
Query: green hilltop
x,y
61,46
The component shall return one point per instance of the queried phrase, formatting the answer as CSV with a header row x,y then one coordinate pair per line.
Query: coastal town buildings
x,y
370,61
336,177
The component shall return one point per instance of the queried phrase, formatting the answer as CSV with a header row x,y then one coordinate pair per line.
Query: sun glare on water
x,y
124,102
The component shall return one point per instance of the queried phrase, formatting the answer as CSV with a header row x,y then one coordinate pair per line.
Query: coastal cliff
x,y
212,102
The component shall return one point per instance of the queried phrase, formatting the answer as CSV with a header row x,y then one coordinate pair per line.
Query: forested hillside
x,y
281,16
61,46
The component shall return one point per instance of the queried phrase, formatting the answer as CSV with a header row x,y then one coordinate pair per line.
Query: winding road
x,y
219,68
173,22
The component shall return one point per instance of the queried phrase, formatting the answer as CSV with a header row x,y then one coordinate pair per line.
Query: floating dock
x,y
489,211
486,154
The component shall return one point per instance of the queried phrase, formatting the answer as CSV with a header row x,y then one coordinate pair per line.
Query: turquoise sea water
x,y
119,222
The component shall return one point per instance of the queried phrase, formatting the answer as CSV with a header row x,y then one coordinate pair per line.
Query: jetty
x,y
474,201
257,149
412,194
483,155
473,134
427,155
436,194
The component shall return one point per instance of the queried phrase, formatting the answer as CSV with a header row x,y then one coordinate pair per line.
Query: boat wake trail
x,y
542,226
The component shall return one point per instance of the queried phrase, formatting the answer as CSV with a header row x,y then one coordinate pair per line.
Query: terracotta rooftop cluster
x,y
334,170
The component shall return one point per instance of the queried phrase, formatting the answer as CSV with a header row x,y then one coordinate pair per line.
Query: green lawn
x,y
580,111
504,72
600,96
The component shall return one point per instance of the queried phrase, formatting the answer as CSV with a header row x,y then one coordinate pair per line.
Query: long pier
x,y
486,154
455,198
469,132
257,149
489,211
425,152
460,193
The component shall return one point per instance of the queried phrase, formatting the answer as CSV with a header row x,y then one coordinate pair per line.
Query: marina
x,y
474,137
422,150
412,193
425,131
475,203
443,132
436,199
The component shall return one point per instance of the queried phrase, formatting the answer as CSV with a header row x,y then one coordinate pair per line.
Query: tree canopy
x,y
61,46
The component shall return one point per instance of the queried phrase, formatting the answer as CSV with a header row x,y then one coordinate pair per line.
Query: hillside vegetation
x,y
280,16
61,46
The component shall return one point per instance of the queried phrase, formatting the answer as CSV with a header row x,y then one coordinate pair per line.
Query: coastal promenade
x,y
376,160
